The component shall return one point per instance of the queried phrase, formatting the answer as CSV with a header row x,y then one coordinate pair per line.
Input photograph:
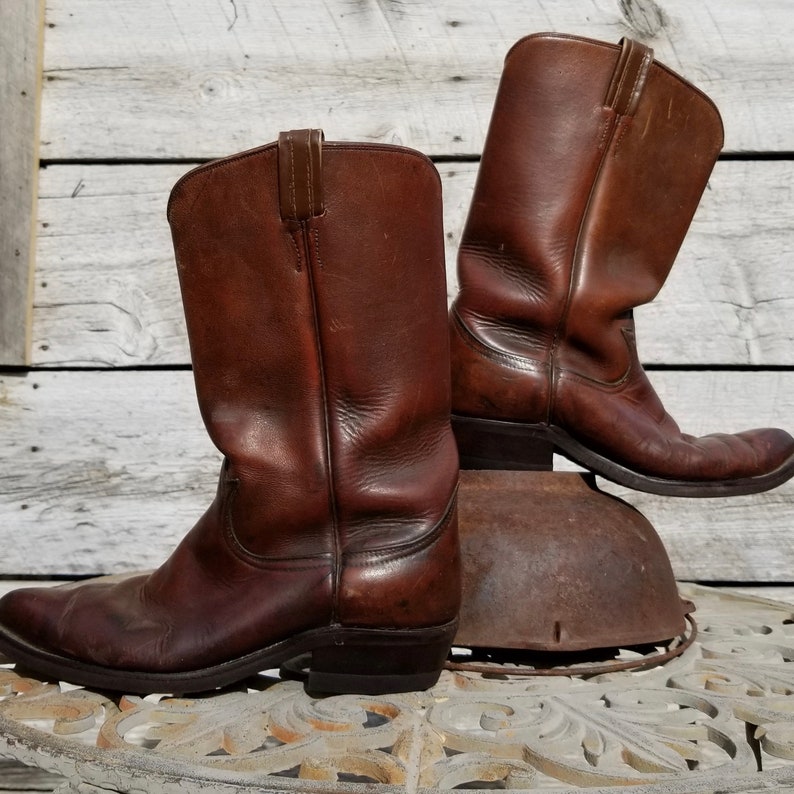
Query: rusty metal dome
x,y
551,563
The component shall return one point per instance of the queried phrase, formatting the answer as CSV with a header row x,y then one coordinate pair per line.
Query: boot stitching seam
x,y
310,184
605,127
625,123
336,560
249,557
376,556
316,235
611,384
294,237
292,176
553,370
481,348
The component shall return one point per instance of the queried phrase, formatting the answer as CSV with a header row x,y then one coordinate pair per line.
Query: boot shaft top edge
x,y
573,40
387,148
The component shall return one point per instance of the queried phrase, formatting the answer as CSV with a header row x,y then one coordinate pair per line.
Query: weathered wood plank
x,y
21,26
197,78
105,487
784,593
7,585
106,291
16,778
105,471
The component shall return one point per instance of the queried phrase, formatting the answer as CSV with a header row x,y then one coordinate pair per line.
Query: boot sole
x,y
344,661
495,444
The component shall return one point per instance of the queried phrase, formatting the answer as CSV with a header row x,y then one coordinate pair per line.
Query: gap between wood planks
x,y
438,159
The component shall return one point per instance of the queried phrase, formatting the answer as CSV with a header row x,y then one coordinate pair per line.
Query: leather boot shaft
x,y
594,163
584,195
313,282
318,340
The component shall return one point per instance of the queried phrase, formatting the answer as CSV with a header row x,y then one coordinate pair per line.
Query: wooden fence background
x,y
104,463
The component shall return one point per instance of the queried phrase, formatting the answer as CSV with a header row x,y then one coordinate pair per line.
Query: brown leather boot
x,y
594,164
313,281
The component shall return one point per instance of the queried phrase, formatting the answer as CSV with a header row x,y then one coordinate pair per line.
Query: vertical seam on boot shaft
x,y
332,501
620,127
293,235
316,235
605,141
624,124
617,125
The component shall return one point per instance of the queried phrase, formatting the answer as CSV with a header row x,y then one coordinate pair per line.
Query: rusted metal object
x,y
553,564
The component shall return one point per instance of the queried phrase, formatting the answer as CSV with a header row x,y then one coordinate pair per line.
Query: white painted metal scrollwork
x,y
705,720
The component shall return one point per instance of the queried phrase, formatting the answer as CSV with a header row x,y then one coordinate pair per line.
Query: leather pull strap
x,y
628,79
300,174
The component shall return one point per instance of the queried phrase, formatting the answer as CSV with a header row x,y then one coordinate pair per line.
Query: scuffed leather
x,y
206,604
594,163
321,363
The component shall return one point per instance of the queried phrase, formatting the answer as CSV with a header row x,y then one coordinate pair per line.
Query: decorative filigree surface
x,y
719,716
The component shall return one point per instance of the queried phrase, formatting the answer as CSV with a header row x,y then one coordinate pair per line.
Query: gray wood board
x,y
20,82
105,471
106,290
199,78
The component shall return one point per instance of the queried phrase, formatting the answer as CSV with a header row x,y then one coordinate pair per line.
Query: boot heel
x,y
379,661
491,444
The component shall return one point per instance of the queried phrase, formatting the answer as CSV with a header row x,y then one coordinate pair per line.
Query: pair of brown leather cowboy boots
x,y
313,283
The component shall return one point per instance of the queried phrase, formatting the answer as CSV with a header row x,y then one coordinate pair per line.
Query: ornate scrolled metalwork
x,y
707,719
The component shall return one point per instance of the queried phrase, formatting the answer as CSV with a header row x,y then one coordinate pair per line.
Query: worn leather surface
x,y
594,163
313,283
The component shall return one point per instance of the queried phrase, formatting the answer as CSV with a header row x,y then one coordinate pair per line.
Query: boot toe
x,y
773,449
751,454
30,616
70,621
